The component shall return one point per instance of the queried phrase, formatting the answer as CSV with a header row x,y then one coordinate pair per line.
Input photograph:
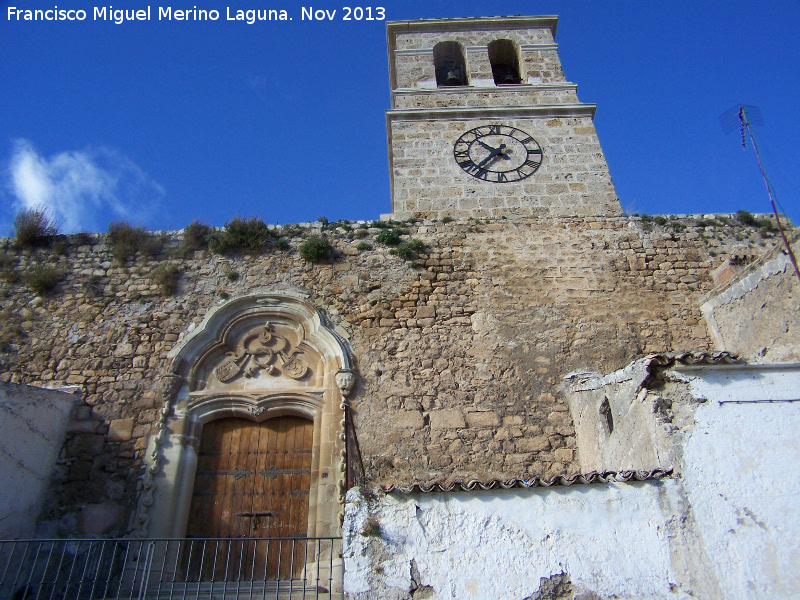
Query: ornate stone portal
x,y
256,357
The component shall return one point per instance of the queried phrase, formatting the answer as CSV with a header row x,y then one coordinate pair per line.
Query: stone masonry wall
x,y
573,178
460,356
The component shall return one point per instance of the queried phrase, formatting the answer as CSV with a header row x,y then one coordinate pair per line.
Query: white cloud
x,y
83,190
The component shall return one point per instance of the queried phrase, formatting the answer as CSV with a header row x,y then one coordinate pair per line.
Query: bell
x,y
453,77
505,75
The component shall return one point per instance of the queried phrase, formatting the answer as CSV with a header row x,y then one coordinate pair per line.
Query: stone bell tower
x,y
483,123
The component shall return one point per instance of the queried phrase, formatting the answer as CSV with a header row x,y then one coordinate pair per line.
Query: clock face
x,y
498,153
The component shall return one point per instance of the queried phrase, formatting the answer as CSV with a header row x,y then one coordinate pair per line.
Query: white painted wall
x,y
741,472
32,428
727,527
499,544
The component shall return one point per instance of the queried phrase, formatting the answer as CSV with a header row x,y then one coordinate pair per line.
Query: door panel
x,y
252,482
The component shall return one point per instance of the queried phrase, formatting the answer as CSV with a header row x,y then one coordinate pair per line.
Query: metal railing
x,y
156,569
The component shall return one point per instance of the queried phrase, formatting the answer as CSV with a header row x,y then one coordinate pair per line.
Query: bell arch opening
x,y
504,58
257,361
450,64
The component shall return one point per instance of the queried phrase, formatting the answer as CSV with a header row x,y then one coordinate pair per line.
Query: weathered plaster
x,y
614,421
32,427
609,539
755,313
741,468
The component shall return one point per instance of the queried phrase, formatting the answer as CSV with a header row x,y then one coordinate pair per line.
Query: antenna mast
x,y
744,125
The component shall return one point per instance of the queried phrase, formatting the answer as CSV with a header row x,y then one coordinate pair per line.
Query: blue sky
x,y
160,123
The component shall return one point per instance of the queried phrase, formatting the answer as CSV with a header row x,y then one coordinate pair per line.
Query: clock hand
x,y
495,153
492,156
487,146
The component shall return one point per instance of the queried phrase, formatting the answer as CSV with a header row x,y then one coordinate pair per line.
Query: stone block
x,y
426,312
559,418
447,419
124,349
517,459
410,419
99,519
79,471
85,444
535,444
120,430
82,426
483,419
563,455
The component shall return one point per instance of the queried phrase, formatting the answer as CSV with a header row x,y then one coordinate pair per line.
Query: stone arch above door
x,y
257,356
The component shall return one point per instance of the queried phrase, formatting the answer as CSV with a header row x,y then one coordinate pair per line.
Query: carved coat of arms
x,y
254,353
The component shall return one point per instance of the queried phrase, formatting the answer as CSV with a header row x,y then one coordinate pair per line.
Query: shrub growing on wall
x,y
42,278
166,278
315,249
241,235
410,250
388,237
125,240
34,227
195,237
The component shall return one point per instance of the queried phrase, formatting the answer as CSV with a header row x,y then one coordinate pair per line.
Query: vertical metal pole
x,y
85,568
253,567
266,571
72,568
330,568
124,568
110,570
146,570
239,570
175,568
8,561
280,556
341,551
188,570
42,591
32,570
162,568
291,570
319,560
98,573
21,564
57,575
227,563
189,561
746,123
305,566
213,570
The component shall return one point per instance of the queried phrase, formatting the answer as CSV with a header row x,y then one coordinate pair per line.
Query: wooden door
x,y
252,482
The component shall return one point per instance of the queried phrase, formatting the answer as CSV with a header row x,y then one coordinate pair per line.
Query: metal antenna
x,y
745,115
